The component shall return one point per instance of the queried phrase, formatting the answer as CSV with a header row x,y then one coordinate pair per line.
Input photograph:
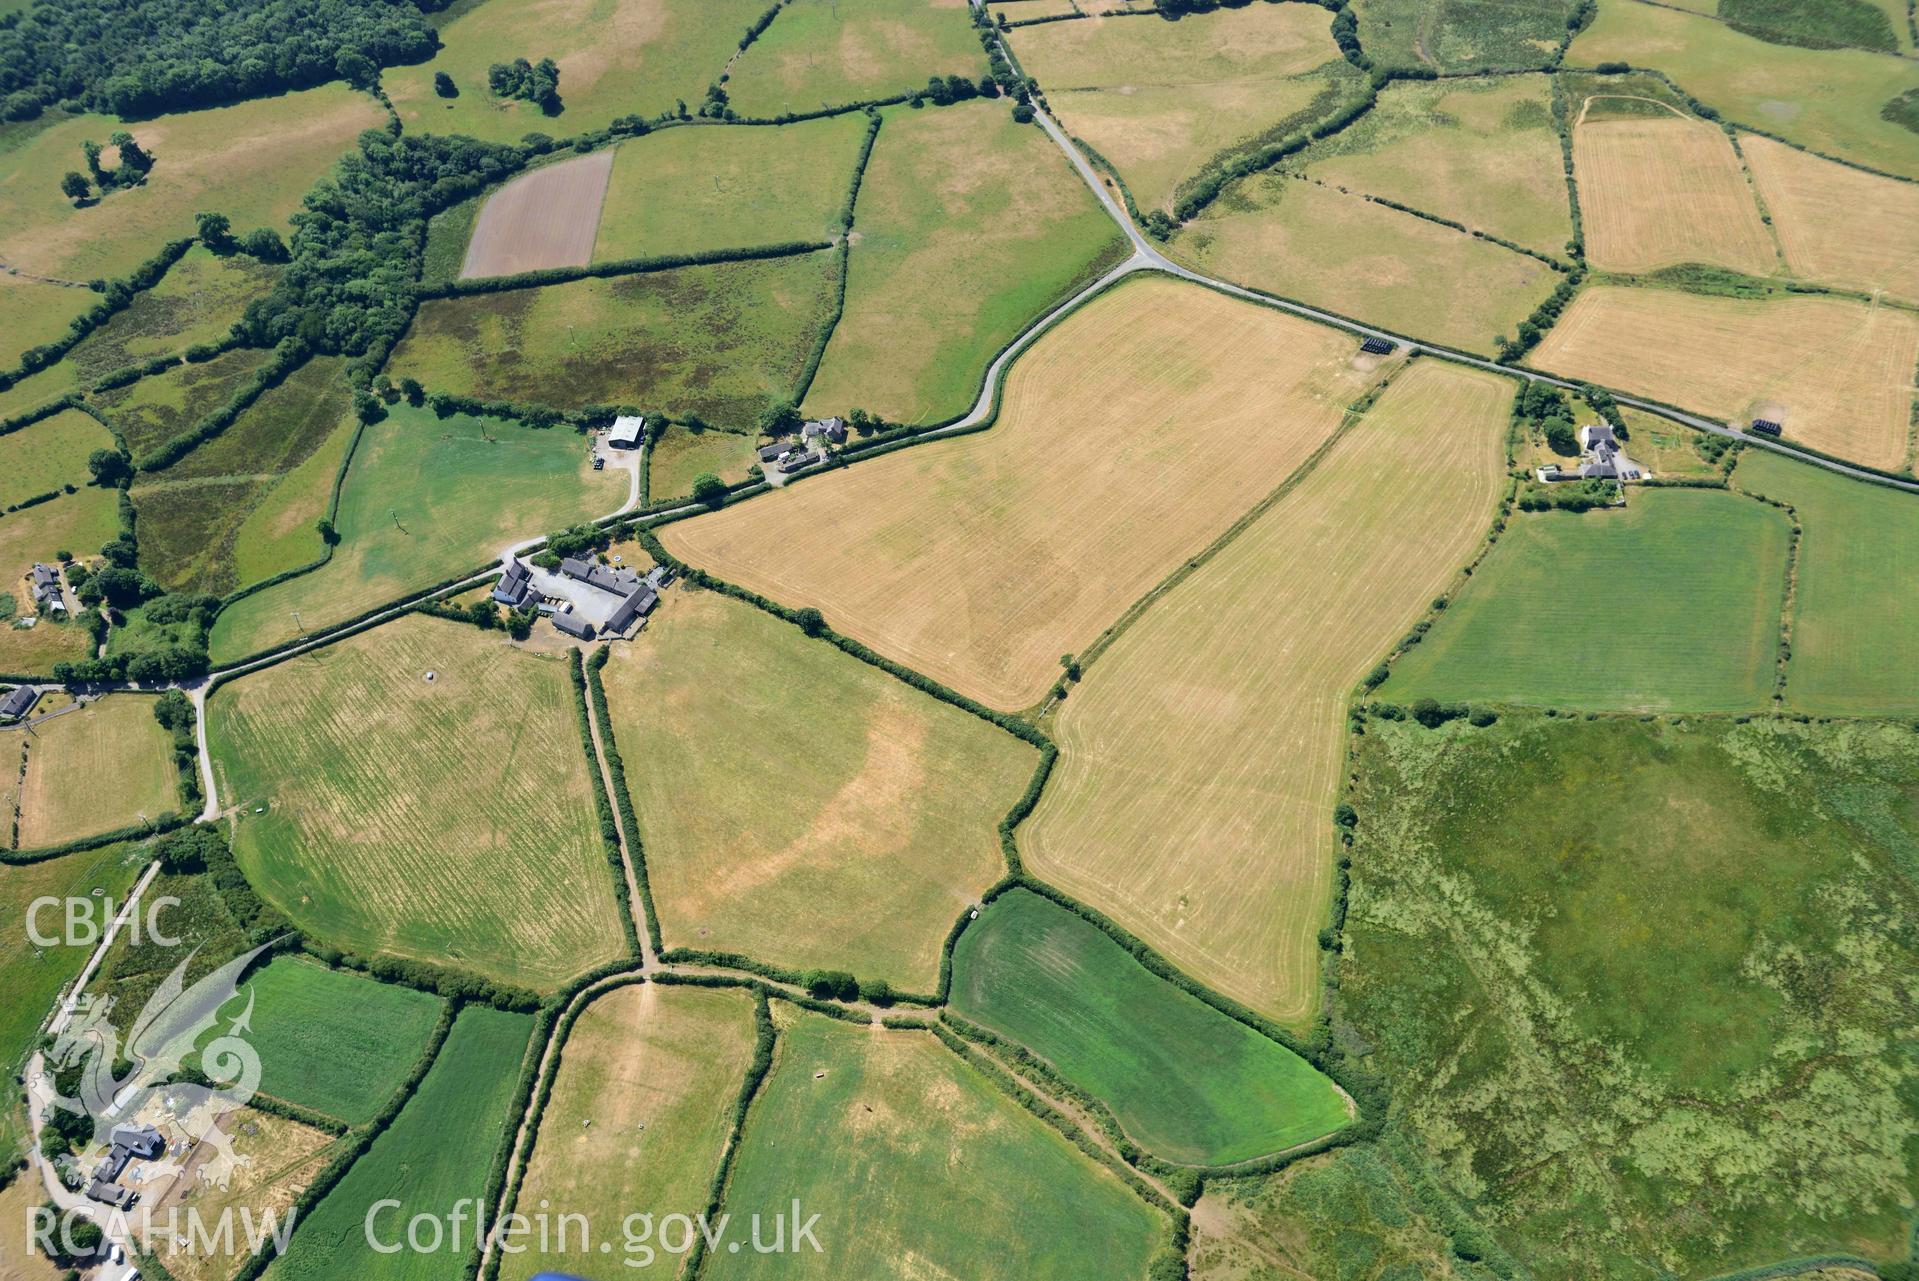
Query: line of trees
x,y
142,57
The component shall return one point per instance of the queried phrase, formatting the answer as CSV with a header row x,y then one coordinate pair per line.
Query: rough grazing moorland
x,y
1121,448
1200,758
1678,1055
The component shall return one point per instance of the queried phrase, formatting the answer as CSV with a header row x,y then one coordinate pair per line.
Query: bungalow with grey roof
x,y
46,589
111,1194
18,703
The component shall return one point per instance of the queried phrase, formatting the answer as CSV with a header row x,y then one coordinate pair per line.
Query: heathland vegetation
x,y
723,342
1690,1028
1201,755
924,1152
1186,1082
981,560
818,788
1669,604
384,789
641,1109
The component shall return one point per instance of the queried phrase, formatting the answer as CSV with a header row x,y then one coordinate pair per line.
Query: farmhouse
x,y
515,583
1604,460
18,703
142,1141
627,432
833,429
573,625
46,589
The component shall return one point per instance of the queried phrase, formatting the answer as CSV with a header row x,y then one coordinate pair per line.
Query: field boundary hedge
x,y
623,794
465,288
811,369
602,805
116,297
135,832
286,361
761,1066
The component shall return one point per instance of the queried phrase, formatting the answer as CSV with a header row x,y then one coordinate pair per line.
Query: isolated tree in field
x,y
75,186
1022,114
444,86
216,232
709,489
109,467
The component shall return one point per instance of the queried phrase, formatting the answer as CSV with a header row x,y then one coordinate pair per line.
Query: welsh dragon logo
x,y
146,1078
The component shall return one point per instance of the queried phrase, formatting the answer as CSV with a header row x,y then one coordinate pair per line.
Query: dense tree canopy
x,y
143,57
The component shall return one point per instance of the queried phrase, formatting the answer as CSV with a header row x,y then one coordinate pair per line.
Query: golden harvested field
x,y
1319,246
818,788
640,1111
1160,100
1129,437
282,145
1201,757
1840,372
107,765
1838,224
449,820
1659,191
542,219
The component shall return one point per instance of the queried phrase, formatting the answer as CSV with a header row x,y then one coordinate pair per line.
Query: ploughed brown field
x,y
547,218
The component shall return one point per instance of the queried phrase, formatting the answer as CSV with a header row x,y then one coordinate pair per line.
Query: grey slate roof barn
x,y
573,625
18,703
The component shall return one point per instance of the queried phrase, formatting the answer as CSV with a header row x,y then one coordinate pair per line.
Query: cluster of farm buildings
x,y
584,598
128,1142
1604,460
815,435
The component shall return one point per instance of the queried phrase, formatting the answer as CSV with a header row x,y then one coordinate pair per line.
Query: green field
x,y
1826,99
1461,35
722,342
664,1062
1480,152
1640,987
164,406
1318,246
32,313
912,1155
279,533
818,54
446,819
616,58
434,1156
1164,102
1855,614
968,227
1186,1082
1669,605
689,191
48,455
682,455
820,790
425,498
333,1041
193,514
252,161
33,976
